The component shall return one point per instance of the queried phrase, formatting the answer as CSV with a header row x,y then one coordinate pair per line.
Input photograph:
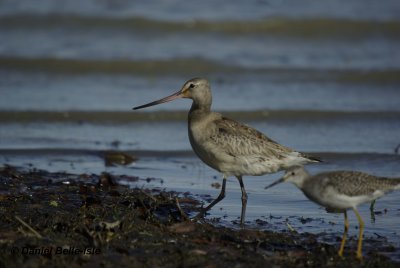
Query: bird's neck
x,y
301,181
200,108
197,114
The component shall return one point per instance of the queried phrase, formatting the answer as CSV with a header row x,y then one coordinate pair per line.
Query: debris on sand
x,y
105,224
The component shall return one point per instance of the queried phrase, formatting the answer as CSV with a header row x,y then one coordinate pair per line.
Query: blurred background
x,y
90,62
321,77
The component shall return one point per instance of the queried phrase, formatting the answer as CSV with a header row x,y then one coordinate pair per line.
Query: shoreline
x,y
91,220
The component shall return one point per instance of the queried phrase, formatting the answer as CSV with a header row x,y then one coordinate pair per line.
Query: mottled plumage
x,y
236,149
230,147
341,190
356,183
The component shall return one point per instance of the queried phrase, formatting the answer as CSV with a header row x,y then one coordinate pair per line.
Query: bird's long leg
x,y
219,198
346,229
244,200
372,206
371,209
360,235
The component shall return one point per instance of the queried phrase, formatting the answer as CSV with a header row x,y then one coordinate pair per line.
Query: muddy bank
x,y
89,220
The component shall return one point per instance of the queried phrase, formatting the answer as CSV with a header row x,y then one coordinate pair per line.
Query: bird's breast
x,y
201,130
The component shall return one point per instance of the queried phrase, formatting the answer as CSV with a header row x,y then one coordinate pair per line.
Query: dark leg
x,y
244,200
371,209
219,198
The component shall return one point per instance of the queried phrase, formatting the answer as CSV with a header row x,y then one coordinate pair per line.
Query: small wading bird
x,y
232,148
339,191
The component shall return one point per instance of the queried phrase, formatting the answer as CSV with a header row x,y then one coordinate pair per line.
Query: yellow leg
x,y
346,229
360,235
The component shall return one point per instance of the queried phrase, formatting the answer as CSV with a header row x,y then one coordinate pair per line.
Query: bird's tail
x,y
312,158
397,187
299,159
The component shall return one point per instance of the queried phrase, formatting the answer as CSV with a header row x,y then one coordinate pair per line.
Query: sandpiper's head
x,y
295,175
197,89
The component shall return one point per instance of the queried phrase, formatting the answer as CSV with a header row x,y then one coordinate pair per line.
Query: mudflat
x,y
84,220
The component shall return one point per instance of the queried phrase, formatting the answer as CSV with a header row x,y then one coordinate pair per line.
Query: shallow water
x,y
267,209
323,78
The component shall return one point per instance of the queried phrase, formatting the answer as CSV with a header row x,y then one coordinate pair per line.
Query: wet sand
x,y
90,220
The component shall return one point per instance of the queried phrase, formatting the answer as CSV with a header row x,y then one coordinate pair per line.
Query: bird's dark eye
x,y
191,86
292,173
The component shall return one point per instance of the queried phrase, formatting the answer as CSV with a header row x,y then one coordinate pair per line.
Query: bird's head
x,y
295,175
197,89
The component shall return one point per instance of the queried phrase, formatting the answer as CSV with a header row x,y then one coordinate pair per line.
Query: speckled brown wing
x,y
239,140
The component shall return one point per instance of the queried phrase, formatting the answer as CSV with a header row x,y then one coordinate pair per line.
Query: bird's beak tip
x,y
172,97
274,183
